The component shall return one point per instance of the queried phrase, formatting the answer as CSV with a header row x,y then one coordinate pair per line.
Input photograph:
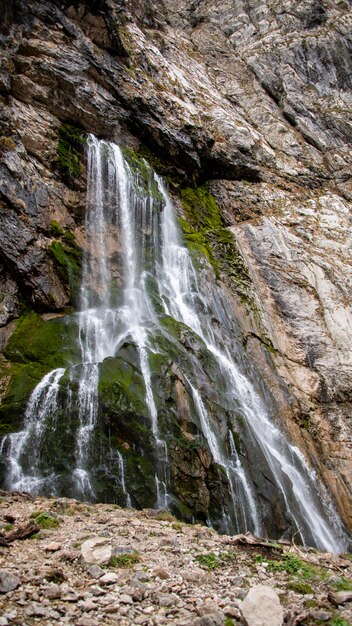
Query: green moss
x,y
50,343
45,520
7,144
68,259
293,565
201,209
121,387
300,587
204,232
144,181
124,560
22,382
70,149
210,561
345,584
55,229
338,621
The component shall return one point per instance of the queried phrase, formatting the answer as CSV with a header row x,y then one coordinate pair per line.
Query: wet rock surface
x,y
252,99
179,574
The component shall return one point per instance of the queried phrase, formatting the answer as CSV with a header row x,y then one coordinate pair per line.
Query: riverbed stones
x,y
262,607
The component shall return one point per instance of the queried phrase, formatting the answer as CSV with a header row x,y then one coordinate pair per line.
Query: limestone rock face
x,y
253,99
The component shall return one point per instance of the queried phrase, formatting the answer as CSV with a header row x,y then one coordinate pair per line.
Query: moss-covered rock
x,y
67,256
22,380
50,344
201,210
204,233
143,177
70,148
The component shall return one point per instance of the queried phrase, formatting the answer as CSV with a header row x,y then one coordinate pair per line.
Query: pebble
x,y
95,571
125,599
53,546
109,579
8,581
53,592
212,619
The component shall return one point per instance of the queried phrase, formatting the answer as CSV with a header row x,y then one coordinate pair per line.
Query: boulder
x,y
262,607
8,581
97,550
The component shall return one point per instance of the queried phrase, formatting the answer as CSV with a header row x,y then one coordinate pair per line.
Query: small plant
x,y
55,229
345,584
8,527
229,621
210,561
338,621
293,565
124,560
300,587
165,516
45,520
177,526
56,576
7,144
69,150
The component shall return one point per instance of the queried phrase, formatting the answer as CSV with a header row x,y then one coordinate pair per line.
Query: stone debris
x,y
177,575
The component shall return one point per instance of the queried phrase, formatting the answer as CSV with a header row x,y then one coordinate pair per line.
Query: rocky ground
x,y
89,565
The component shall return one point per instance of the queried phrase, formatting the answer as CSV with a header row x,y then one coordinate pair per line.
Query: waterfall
x,y
25,471
137,273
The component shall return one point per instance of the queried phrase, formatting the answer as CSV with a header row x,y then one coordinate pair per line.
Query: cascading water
x,y
25,468
138,283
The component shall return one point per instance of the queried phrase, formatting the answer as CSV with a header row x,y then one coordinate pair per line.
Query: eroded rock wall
x,y
252,99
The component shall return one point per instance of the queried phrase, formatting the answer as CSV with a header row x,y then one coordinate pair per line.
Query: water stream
x,y
136,271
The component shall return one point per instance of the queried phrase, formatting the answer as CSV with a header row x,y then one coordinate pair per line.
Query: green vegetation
x,y
293,565
55,229
212,561
338,621
45,520
124,560
165,516
67,256
201,209
229,621
7,144
345,584
300,586
204,231
36,342
69,150
144,182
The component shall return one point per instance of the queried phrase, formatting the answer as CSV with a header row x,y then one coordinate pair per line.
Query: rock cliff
x,y
250,100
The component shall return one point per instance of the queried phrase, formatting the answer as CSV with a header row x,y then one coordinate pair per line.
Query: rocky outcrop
x,y
254,101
